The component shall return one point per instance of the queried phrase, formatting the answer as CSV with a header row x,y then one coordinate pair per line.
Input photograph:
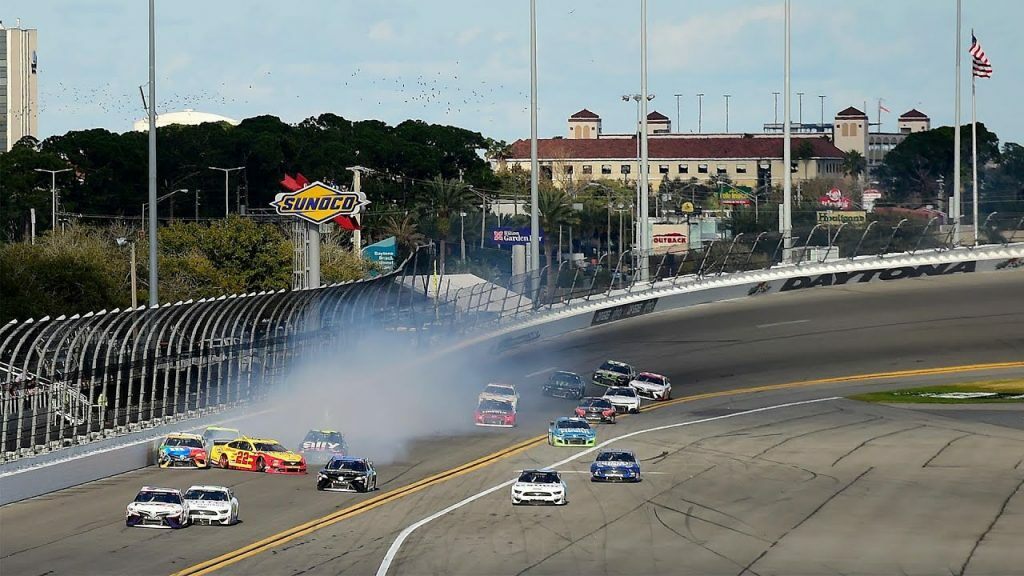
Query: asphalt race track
x,y
830,487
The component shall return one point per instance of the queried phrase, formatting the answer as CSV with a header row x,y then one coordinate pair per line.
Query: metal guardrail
x,y
67,381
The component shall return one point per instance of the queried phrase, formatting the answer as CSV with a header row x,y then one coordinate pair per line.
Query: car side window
x,y
247,446
235,445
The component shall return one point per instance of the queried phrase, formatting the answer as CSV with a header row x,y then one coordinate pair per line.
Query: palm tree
x,y
804,151
854,164
445,198
404,230
555,207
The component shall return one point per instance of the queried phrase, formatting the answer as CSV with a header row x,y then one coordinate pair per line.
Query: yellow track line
x,y
285,536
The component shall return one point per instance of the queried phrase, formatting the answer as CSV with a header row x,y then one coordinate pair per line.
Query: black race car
x,y
564,385
347,474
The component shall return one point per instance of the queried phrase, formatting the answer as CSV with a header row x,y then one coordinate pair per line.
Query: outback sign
x,y
317,203
840,278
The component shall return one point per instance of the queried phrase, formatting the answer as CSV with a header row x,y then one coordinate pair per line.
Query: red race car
x,y
596,409
260,455
495,413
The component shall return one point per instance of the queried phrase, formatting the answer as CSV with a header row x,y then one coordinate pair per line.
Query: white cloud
x,y
382,31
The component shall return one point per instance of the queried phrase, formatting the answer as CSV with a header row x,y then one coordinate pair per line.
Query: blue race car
x,y
615,465
568,431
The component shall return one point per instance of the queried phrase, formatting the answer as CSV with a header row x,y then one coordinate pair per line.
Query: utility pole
x,y
955,208
700,109
679,125
357,235
776,94
53,192
644,208
822,96
800,116
727,96
32,220
787,150
226,171
154,298
534,165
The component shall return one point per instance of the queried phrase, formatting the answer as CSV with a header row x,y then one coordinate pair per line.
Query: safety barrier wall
x,y
72,381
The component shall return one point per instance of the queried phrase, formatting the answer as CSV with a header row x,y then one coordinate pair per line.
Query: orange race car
x,y
258,454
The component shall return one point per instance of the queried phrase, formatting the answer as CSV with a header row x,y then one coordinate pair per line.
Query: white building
x,y
19,93
187,117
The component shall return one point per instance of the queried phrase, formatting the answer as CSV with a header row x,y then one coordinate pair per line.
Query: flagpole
x,y
954,211
974,157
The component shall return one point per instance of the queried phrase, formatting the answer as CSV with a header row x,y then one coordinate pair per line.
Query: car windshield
x,y
495,406
622,392
321,436
573,424
500,390
357,465
538,477
207,495
617,368
158,497
188,442
615,457
565,378
270,447
595,403
652,378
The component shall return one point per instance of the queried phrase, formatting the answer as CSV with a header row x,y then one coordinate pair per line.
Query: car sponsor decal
x,y
862,276
624,311
325,446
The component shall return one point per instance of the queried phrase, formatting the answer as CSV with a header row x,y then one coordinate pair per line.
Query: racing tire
x,y
550,441
223,463
261,466
562,502
319,487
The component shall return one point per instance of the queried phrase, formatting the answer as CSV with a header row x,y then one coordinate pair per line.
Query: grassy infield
x,y
913,395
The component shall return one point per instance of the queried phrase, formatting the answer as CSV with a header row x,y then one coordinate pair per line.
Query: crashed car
x,y
157,508
624,399
495,413
564,384
615,466
613,373
651,385
568,431
217,436
260,455
182,450
596,409
212,505
319,446
347,474
501,392
539,487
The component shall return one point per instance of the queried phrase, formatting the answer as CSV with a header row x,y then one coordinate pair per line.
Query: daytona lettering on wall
x,y
860,276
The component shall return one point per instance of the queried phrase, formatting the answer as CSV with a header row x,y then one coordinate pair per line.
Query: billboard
x,y
317,203
853,217
382,253
674,237
511,236
834,199
737,196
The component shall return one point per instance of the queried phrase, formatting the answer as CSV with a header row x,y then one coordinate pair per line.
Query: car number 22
x,y
244,458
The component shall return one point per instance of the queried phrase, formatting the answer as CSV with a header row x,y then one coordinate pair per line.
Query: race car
x,y
212,505
623,398
653,386
215,435
613,373
259,454
599,409
502,392
347,474
157,508
615,465
182,450
539,487
319,446
568,431
495,413
563,384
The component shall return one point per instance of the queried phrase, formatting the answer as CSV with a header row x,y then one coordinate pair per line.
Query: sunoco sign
x,y
862,276
317,202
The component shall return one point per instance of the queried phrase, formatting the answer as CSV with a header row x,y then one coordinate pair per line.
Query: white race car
x,y
623,398
157,508
653,386
212,505
501,393
539,486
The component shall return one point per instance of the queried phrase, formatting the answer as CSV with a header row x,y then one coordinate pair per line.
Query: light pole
x,y
727,96
154,298
53,192
700,110
160,199
679,125
462,234
776,94
822,96
608,229
800,108
534,165
122,241
226,171
641,153
787,148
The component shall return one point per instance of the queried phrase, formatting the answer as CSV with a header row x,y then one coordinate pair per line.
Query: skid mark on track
x,y
748,567
991,525
689,515
695,541
943,449
873,438
812,432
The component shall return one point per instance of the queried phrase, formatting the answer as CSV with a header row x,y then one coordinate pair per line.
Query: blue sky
x,y
466,62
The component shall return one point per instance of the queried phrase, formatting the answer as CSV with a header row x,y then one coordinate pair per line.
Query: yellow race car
x,y
258,454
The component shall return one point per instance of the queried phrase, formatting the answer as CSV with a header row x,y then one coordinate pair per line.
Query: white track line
x,y
385,565
786,323
539,372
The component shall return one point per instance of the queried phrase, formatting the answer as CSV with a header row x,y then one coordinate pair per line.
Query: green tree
x,y
444,199
554,209
854,164
804,152
404,230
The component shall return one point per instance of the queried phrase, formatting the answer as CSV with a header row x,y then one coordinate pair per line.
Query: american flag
x,y
982,67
